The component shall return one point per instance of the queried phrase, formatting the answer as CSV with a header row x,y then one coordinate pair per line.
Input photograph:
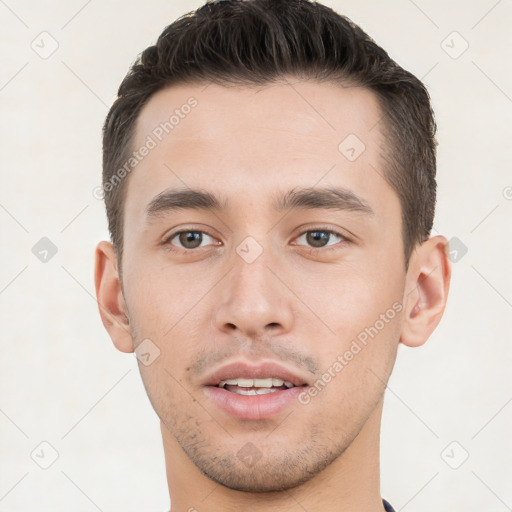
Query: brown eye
x,y
189,239
319,238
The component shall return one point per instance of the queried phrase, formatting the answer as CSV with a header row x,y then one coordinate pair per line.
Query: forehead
x,y
246,142
311,110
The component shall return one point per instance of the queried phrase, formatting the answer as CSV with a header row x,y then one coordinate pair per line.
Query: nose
x,y
254,302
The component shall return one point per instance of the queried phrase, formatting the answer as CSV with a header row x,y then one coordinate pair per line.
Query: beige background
x,y
61,380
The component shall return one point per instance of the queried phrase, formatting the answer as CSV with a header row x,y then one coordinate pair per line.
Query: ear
x,y
109,294
426,290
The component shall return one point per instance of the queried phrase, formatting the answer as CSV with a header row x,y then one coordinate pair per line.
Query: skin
x,y
301,307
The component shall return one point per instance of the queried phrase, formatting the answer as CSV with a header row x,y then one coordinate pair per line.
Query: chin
x,y
283,472
250,482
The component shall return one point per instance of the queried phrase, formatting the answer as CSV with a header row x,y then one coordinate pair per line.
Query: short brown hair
x,y
246,42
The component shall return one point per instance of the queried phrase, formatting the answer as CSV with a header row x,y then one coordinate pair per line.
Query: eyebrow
x,y
329,198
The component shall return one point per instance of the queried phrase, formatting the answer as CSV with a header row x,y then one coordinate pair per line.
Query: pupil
x,y
316,238
192,237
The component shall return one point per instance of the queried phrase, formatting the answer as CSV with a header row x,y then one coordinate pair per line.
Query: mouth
x,y
253,392
250,387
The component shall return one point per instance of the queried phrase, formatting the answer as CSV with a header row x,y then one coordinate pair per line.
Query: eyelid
x,y
171,233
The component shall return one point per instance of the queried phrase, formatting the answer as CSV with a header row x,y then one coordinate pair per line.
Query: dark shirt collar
x,y
387,506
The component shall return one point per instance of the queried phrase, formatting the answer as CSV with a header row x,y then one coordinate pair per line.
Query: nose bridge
x,y
253,300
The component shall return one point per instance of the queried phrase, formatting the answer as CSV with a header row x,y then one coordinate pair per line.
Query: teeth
x,y
262,391
244,383
263,383
256,383
231,382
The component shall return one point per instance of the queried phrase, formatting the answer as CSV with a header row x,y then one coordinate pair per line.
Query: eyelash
x,y
169,246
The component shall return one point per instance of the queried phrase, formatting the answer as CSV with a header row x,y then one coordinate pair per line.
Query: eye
x,y
188,239
318,238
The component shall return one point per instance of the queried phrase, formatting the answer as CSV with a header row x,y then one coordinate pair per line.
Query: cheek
x,y
158,297
163,311
365,314
350,299
363,311
170,308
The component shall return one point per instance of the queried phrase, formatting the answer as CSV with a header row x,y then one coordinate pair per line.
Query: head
x,y
280,213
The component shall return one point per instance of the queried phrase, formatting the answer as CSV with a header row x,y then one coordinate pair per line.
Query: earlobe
x,y
111,303
426,292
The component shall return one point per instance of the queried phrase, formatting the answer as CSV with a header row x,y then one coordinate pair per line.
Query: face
x,y
285,278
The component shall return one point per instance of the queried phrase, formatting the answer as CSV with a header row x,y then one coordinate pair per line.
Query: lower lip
x,y
253,407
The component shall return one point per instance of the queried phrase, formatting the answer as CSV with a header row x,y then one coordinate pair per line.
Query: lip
x,y
247,371
253,407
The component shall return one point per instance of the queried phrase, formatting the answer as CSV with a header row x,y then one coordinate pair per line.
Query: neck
x,y
351,482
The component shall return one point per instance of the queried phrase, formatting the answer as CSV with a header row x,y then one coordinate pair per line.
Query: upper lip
x,y
261,370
